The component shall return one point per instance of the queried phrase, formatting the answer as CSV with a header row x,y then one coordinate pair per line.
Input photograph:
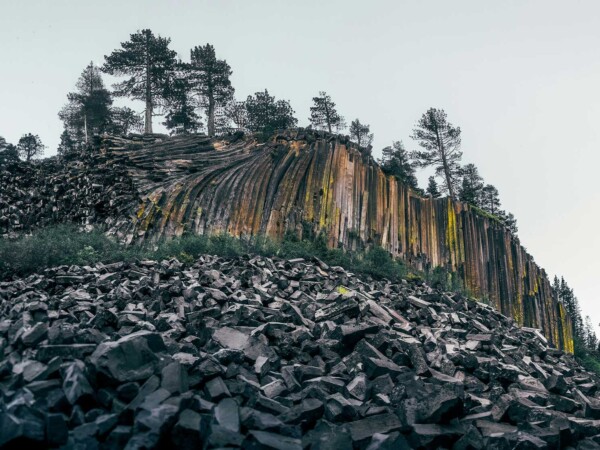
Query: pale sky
x,y
521,78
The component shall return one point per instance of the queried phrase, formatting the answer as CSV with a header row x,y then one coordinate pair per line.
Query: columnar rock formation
x,y
299,182
303,182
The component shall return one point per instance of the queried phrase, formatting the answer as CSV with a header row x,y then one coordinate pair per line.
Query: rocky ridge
x,y
262,353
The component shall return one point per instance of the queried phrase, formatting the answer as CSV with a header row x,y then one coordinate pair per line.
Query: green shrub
x,y
441,278
67,245
54,246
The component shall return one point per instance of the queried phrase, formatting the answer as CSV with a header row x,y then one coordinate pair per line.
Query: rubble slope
x,y
266,353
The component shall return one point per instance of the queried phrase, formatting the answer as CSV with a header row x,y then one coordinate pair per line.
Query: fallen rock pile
x,y
91,191
260,353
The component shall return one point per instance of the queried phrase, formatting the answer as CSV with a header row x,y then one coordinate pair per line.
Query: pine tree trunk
x,y
449,180
211,118
148,122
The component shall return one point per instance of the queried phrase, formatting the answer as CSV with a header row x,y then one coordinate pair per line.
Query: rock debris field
x,y
260,353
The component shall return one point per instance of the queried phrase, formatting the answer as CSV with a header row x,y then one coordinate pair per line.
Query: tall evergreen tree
x,y
361,133
490,199
67,145
441,143
395,161
89,107
266,115
124,120
236,113
181,117
432,188
30,146
8,151
471,186
209,79
323,114
566,296
509,221
591,340
149,63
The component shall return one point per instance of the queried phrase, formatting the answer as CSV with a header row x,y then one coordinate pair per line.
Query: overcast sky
x,y
521,78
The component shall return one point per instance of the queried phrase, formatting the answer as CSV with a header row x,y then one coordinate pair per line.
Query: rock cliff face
x,y
299,182
307,183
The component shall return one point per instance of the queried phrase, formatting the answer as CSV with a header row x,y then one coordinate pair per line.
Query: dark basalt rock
x,y
298,356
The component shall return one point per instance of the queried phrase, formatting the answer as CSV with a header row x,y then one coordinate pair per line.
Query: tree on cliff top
x,y
124,120
509,222
235,112
471,186
209,80
441,143
7,151
323,114
89,108
149,62
395,161
490,199
181,117
432,188
361,133
67,145
265,114
30,146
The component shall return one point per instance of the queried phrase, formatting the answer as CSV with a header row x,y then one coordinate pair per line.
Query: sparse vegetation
x,y
67,245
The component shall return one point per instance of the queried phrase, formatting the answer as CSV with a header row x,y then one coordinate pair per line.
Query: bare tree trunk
x,y
449,180
148,124
442,152
211,118
327,117
85,128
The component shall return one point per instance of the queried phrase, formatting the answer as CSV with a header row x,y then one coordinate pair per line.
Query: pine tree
x,y
323,114
490,199
8,152
395,161
361,133
441,143
509,222
235,111
266,115
150,63
209,79
124,120
591,340
181,117
88,109
30,146
471,185
67,145
432,188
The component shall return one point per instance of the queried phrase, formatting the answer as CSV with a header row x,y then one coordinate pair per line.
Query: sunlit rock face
x,y
304,182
